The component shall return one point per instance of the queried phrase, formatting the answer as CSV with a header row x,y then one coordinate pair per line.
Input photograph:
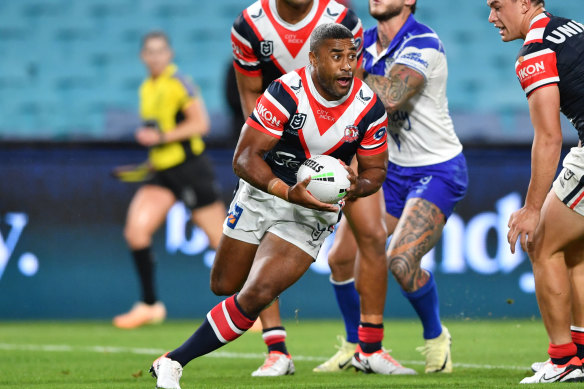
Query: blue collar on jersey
x,y
371,35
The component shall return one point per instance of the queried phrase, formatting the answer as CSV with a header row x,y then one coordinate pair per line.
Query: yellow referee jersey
x,y
162,101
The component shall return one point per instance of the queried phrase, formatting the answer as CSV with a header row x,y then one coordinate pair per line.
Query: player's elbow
x,y
390,106
551,139
238,164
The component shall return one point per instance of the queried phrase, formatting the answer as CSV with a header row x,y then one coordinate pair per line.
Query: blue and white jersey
x,y
422,133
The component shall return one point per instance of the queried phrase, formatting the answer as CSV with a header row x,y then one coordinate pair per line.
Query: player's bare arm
x,y
544,108
250,89
371,174
395,90
249,164
196,122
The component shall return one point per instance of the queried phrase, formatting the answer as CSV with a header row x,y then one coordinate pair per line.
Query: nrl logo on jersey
x,y
351,134
297,121
266,48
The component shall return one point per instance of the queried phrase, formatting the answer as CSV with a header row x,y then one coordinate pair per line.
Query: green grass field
x,y
486,354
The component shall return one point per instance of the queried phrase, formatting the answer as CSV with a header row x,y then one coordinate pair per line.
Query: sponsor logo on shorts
x,y
233,216
568,174
424,184
317,233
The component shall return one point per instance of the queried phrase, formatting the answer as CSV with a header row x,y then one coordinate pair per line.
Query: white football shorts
x,y
569,185
253,212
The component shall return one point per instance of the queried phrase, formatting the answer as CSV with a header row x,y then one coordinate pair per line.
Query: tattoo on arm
x,y
402,84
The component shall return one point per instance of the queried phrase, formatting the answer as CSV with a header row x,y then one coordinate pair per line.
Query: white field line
x,y
216,354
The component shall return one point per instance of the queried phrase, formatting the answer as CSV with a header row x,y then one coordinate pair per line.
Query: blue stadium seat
x,y
85,53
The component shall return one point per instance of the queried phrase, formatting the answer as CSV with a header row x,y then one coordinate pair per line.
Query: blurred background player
x,y
269,39
276,228
550,226
405,65
175,119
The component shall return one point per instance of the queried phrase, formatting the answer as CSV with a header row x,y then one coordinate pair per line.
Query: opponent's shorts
x,y
253,212
443,184
192,182
569,185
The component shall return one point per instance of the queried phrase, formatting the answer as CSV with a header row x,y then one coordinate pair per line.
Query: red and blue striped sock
x,y
224,323
275,339
578,339
560,354
370,337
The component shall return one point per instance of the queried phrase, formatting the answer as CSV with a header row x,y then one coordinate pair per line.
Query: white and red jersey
x,y
306,124
265,45
553,54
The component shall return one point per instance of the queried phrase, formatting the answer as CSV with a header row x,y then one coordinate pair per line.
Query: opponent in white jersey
x,y
269,38
274,230
422,130
405,65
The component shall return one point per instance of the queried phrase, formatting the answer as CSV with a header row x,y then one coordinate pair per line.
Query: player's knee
x,y
220,286
373,241
339,258
136,237
257,298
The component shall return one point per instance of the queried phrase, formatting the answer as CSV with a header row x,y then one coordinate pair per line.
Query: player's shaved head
x,y
328,31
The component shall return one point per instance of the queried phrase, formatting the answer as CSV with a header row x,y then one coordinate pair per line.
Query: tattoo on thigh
x,y
418,231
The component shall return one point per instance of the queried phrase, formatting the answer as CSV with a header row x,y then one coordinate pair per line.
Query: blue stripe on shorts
x,y
443,184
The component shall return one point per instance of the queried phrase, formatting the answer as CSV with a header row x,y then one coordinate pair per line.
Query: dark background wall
x,y
62,254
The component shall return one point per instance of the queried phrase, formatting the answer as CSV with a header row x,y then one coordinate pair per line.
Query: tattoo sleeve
x,y
395,90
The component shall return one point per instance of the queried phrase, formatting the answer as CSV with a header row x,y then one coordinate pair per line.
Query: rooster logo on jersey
x,y
351,134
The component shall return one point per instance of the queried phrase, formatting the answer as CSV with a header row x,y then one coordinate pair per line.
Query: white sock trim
x,y
577,329
341,282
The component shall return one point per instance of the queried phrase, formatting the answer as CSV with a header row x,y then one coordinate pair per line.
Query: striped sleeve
x,y
537,69
273,109
375,139
244,58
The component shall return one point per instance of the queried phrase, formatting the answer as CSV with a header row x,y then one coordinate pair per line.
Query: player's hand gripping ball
x,y
329,181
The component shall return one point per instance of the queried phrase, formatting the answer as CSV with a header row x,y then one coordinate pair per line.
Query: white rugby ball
x,y
329,181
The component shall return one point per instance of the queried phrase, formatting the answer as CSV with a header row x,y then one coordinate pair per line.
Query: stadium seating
x,y
69,69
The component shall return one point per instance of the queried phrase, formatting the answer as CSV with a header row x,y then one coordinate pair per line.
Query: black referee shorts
x,y
192,182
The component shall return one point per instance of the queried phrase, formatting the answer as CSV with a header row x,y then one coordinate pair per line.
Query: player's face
x,y
386,9
333,65
506,15
156,55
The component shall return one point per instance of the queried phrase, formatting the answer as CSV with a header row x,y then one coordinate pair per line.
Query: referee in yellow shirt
x,y
174,120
